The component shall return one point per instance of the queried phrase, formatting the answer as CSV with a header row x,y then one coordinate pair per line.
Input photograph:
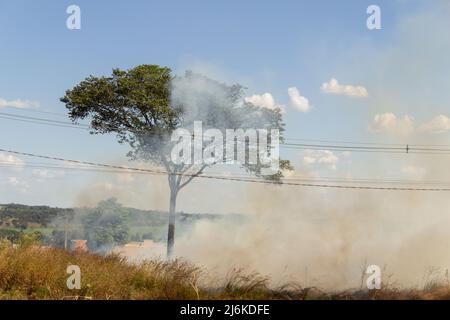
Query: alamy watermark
x,y
238,147
374,20
73,21
374,279
74,280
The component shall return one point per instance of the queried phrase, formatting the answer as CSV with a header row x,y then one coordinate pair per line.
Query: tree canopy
x,y
145,104
106,225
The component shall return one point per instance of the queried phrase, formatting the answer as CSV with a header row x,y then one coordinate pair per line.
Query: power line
x,y
312,180
43,121
6,164
59,168
337,148
326,146
344,142
59,114
229,178
367,147
86,126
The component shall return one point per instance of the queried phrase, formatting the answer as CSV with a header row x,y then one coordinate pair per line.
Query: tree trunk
x,y
172,216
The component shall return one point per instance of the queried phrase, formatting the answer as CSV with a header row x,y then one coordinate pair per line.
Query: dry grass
x,y
29,271
34,272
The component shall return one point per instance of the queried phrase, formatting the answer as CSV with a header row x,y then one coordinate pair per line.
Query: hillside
x,y
24,216
109,220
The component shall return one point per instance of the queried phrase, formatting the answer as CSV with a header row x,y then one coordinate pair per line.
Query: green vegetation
x,y
21,216
106,225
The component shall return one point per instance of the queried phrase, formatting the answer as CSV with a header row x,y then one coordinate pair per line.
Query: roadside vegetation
x,y
29,270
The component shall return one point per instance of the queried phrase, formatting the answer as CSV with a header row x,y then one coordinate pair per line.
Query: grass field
x,y
30,271
42,230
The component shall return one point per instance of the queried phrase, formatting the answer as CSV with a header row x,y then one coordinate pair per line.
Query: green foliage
x,y
134,104
106,225
10,235
30,239
140,107
22,216
21,238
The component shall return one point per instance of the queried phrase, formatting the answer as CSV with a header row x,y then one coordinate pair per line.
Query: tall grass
x,y
30,271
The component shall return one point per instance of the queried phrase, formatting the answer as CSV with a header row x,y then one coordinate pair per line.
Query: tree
x,y
144,105
106,225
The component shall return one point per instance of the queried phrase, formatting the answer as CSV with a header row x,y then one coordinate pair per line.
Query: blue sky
x,y
266,46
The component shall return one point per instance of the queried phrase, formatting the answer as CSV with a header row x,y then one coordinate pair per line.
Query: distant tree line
x,y
23,216
104,226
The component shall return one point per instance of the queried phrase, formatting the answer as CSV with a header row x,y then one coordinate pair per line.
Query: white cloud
x,y
298,101
321,157
439,124
12,161
390,123
18,103
334,87
265,100
403,126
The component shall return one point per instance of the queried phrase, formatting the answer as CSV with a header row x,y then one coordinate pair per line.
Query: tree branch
x,y
199,172
182,170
